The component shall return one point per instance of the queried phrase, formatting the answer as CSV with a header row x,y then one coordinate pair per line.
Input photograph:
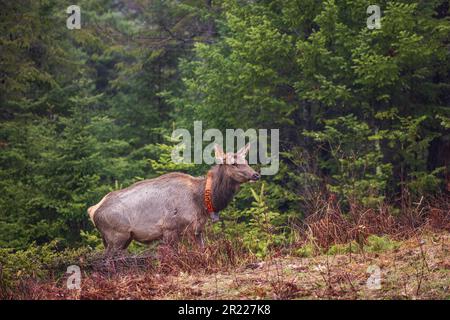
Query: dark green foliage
x,y
367,105
354,159
81,111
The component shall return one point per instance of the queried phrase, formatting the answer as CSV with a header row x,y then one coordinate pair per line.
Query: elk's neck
x,y
223,188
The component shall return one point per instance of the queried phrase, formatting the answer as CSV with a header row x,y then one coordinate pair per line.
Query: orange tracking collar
x,y
208,194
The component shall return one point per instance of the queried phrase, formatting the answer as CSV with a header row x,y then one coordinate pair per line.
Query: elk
x,y
171,205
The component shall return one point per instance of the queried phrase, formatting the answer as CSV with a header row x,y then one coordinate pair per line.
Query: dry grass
x,y
327,225
419,269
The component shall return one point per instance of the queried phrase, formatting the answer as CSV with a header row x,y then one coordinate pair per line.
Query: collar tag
x,y
208,198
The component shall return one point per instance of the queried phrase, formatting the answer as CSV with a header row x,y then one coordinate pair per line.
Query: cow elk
x,y
170,206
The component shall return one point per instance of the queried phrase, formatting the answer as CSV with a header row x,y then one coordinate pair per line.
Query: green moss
x,y
380,244
305,251
352,247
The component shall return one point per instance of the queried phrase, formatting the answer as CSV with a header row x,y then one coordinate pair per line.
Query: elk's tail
x,y
91,211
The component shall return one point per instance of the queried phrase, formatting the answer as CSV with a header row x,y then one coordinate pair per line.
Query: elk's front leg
x,y
171,238
199,239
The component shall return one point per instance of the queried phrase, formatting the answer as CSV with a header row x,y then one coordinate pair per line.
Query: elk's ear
x,y
243,152
218,153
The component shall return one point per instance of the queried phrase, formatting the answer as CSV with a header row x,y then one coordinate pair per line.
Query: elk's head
x,y
235,165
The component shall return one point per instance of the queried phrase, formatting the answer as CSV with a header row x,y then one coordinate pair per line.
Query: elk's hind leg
x,y
115,231
117,242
